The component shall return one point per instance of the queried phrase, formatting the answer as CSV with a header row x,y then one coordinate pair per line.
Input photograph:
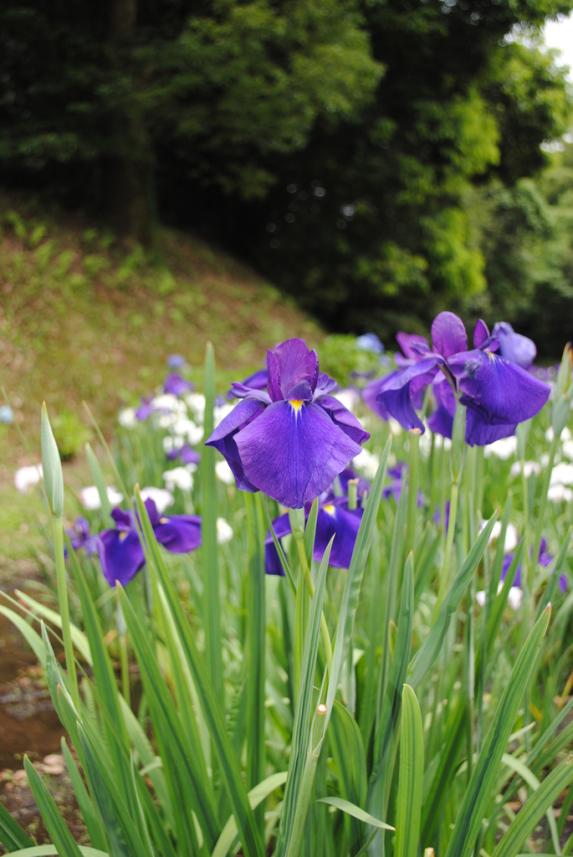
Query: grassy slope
x,y
82,320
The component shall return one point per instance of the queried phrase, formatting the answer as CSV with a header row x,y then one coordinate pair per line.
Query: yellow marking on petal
x,y
491,355
123,535
164,520
329,509
296,404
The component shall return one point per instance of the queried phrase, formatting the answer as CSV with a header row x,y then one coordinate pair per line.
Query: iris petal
x,y
513,346
396,393
121,555
179,533
503,392
442,420
448,334
293,455
289,365
343,418
224,437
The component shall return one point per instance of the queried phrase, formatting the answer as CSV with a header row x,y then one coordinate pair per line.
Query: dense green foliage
x,y
372,157
416,700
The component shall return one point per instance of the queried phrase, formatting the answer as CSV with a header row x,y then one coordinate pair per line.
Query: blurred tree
x,y
217,89
367,154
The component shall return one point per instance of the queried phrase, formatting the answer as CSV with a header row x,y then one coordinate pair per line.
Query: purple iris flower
x,y
362,485
185,454
177,385
292,439
121,552
145,409
334,519
176,361
498,394
81,538
544,558
396,484
514,346
257,381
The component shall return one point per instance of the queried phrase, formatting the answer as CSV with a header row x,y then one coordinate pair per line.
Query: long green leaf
x,y
55,825
411,778
355,811
481,789
530,813
426,656
302,760
256,796
11,834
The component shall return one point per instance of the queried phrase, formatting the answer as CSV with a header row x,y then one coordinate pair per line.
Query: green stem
x,y
64,606
413,482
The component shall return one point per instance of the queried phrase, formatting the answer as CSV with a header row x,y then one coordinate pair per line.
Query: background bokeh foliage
x,y
379,160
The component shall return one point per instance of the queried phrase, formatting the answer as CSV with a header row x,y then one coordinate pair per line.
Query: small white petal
x,y
90,499
224,531
562,474
560,493
127,418
224,473
515,597
179,477
26,477
480,597
367,463
504,448
160,497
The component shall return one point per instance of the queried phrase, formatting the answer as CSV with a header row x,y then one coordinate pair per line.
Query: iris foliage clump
x,y
350,635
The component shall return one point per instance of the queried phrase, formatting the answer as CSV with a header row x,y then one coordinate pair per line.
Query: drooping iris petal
x,y
413,345
293,452
514,346
442,420
502,392
335,519
293,370
224,437
121,555
179,533
480,431
449,334
343,418
371,395
396,395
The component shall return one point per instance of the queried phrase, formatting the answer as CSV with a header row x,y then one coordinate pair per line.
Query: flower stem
x,y
63,604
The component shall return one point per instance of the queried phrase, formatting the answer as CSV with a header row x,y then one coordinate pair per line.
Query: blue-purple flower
x,y
334,518
497,391
544,559
395,487
120,549
185,454
177,385
293,438
81,538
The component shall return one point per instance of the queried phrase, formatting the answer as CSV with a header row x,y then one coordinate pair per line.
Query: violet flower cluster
x,y
490,379
120,549
334,518
292,438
